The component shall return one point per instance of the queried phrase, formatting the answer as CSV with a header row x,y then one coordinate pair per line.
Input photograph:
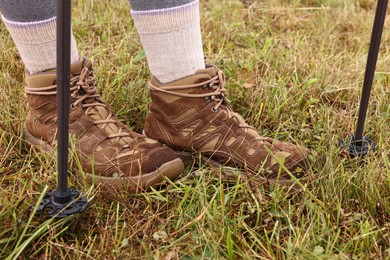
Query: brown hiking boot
x,y
192,116
117,157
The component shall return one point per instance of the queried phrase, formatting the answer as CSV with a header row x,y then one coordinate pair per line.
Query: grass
x,y
295,70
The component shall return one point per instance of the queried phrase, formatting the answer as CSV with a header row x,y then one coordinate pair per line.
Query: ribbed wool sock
x,y
172,40
36,43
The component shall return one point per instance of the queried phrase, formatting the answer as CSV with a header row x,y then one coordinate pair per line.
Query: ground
x,y
295,70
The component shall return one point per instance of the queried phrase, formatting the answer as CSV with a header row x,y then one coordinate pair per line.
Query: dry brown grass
x,y
295,71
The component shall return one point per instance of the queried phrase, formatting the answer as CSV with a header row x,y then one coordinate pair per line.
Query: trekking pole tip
x,y
358,147
63,204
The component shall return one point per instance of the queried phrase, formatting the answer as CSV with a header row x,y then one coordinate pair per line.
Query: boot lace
x,y
84,93
218,95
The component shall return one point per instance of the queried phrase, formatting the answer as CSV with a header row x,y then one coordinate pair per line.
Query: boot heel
x,y
35,142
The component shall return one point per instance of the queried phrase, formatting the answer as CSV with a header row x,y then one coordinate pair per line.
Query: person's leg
x,y
189,110
109,152
170,35
32,26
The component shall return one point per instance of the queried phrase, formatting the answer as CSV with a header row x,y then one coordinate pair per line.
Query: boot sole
x,y
140,183
134,184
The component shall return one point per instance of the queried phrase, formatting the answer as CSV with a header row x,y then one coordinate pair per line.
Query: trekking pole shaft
x,y
63,90
371,64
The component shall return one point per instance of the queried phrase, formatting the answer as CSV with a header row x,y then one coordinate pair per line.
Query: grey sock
x,y
27,10
38,10
143,5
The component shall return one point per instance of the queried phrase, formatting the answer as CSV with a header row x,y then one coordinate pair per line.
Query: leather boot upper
x,y
104,145
193,114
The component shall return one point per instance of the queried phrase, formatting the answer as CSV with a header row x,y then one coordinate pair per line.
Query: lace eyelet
x,y
206,87
215,110
207,99
72,106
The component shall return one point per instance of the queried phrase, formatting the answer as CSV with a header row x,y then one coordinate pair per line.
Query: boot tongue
x,y
76,67
211,71
101,113
199,76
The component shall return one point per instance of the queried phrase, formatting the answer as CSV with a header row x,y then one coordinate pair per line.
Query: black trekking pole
x,y
360,145
63,201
